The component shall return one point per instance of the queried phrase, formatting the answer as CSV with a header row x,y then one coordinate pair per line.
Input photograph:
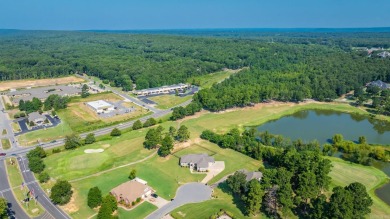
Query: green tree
x,y
94,197
72,141
90,138
183,134
61,192
84,91
37,152
150,122
110,201
3,208
137,125
36,165
341,204
362,140
152,139
166,146
43,177
237,182
319,207
116,132
337,139
362,201
133,174
253,197
172,131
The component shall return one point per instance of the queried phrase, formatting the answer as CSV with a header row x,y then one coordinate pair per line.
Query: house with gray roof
x,y
198,162
378,83
257,175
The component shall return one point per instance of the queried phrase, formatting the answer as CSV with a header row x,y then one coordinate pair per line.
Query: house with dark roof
x,y
198,162
378,83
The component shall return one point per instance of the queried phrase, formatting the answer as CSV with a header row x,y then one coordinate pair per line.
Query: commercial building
x,y
162,90
101,106
37,118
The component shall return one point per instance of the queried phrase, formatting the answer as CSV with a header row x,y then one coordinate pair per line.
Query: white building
x,y
162,90
101,106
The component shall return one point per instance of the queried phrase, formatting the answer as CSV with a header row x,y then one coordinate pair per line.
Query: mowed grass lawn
x,y
140,211
343,173
78,118
117,151
162,174
169,101
15,179
6,144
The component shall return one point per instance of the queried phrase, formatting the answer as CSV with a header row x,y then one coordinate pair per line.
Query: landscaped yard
x,y
4,132
6,143
169,101
15,178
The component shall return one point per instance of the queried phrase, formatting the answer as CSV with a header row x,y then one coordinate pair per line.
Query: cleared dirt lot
x,y
6,85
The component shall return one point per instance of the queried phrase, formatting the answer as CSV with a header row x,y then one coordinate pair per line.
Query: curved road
x,y
188,193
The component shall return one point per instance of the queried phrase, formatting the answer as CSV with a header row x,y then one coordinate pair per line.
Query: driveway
x,y
188,193
159,202
214,170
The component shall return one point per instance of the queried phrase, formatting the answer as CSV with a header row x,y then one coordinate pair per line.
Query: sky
x,y
191,14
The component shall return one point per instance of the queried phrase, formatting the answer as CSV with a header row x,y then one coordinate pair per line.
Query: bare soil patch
x,y
71,207
6,85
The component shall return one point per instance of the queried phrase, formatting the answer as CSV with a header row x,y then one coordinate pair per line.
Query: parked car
x,y
154,195
3,154
53,141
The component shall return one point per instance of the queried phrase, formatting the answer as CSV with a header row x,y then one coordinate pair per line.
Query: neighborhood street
x,y
188,193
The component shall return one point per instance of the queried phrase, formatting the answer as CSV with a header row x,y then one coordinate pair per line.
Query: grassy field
x,y
78,118
118,151
6,144
169,101
6,85
343,173
139,212
15,178
206,81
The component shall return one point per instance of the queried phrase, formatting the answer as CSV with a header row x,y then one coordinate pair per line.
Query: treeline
x,y
120,59
53,101
294,182
287,72
360,152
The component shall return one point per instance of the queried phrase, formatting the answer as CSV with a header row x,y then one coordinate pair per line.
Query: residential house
x,y
382,85
128,192
198,162
257,175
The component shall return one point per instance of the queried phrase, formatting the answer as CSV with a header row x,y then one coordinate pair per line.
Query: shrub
x,y
61,192
116,132
56,150
94,197
43,177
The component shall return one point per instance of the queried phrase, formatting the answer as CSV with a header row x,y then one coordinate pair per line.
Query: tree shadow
x,y
236,199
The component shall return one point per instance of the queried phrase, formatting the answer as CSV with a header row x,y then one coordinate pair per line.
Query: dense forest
x,y
285,66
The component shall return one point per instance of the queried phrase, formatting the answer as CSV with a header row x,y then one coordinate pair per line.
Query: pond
x,y
324,124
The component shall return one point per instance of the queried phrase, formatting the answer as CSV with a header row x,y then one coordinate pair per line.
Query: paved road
x,y
41,196
188,193
5,123
15,210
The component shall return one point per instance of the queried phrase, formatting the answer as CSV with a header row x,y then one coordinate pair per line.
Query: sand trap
x,y
91,151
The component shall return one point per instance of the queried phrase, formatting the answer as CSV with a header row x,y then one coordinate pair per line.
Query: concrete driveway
x,y
159,202
188,193
214,170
